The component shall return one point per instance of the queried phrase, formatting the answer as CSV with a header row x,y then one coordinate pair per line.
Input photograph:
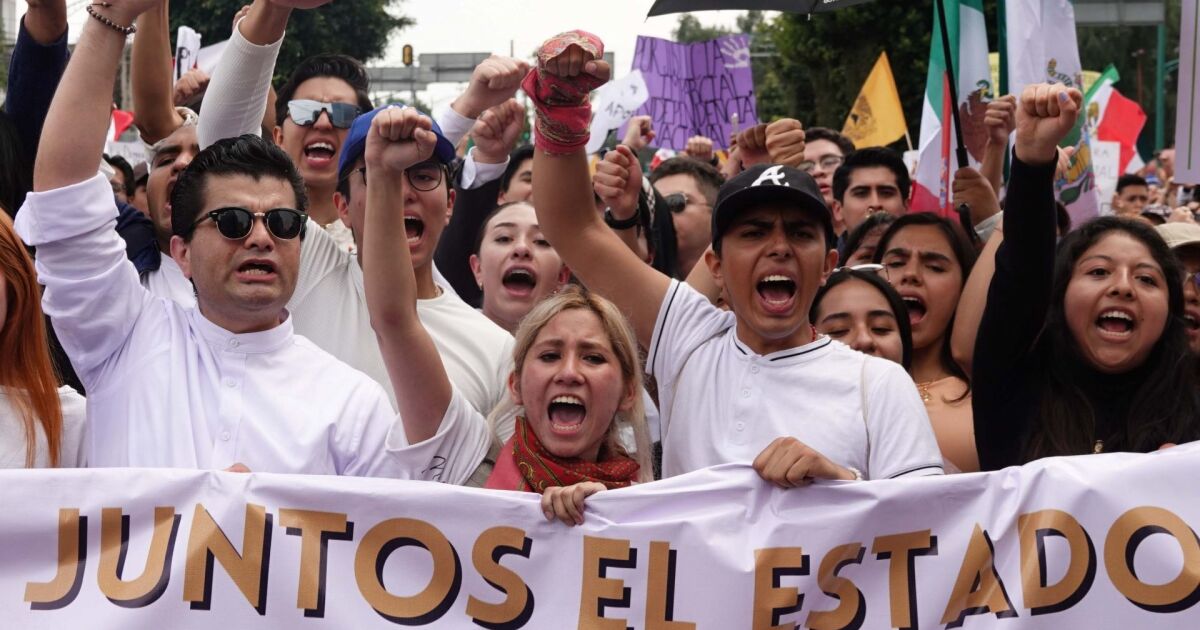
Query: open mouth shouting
x,y
319,154
566,414
414,229
777,293
257,270
916,308
1116,324
519,281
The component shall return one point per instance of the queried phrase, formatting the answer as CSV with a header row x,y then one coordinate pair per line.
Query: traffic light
x,y
407,55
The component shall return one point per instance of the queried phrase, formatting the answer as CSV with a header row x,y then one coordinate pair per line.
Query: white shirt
x,y
452,456
169,282
720,402
74,428
330,308
168,388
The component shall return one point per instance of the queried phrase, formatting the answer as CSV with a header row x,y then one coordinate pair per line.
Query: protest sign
x,y
1106,161
1082,542
695,88
1187,150
187,50
613,106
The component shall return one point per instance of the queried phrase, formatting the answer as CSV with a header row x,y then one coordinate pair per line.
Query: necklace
x,y
923,389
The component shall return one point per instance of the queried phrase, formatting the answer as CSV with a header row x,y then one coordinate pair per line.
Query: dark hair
x,y
479,236
245,155
1062,218
708,179
515,159
889,293
121,164
856,236
844,144
1163,408
871,157
964,253
341,67
16,174
1129,179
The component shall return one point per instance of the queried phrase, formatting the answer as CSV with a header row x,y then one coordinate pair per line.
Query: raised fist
x,y
1001,119
639,134
399,138
752,146
573,54
699,148
618,181
1046,115
785,142
972,188
497,131
492,83
190,87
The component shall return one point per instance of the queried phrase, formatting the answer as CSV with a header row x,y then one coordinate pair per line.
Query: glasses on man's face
x,y
235,223
424,177
677,202
826,162
305,113
1192,278
872,268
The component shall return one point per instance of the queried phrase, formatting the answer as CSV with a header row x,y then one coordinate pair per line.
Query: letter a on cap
x,y
774,174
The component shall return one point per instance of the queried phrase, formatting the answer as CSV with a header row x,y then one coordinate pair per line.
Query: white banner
x,y
1101,541
187,50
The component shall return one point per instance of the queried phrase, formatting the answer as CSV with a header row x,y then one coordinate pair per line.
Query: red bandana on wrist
x,y
563,110
539,469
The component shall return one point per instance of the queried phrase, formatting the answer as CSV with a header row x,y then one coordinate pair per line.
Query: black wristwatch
x,y
621,224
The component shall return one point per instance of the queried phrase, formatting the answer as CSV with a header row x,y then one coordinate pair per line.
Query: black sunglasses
x,y
305,113
677,202
236,223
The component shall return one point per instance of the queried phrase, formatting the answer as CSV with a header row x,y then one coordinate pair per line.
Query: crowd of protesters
x,y
297,281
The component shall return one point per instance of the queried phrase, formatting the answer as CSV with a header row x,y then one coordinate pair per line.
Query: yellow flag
x,y
877,118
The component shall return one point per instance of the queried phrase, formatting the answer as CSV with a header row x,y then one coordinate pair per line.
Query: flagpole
x,y
961,151
908,139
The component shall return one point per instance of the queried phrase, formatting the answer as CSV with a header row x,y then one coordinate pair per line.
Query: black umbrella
x,y
662,7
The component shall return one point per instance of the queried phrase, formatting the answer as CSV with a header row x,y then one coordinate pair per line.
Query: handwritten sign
x,y
695,89
614,105
187,49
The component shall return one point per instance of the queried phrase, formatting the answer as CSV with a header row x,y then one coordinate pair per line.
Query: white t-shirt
x,y
169,282
74,428
329,307
720,402
452,456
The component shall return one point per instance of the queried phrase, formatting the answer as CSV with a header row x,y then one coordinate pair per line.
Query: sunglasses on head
x,y
871,268
236,223
305,113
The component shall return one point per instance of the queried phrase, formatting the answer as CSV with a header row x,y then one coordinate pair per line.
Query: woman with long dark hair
x,y
858,307
927,260
1082,350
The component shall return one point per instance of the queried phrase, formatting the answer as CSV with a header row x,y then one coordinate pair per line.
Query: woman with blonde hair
x,y
576,382
41,425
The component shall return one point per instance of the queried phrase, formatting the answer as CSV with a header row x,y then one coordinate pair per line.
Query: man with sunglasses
x,y
689,189
222,384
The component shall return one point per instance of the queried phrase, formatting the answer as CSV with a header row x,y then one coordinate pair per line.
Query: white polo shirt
x,y
168,388
330,308
720,402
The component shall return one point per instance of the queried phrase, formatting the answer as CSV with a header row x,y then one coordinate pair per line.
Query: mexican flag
x,y
1042,49
937,163
1114,118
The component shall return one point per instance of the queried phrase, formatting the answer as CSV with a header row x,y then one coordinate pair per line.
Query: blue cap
x,y
356,142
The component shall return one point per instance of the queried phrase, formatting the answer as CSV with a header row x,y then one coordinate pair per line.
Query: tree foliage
x,y
360,28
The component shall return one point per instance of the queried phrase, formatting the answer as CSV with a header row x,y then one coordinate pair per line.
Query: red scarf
x,y
524,464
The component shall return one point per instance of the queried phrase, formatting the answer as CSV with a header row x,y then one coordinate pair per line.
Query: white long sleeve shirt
x,y
168,388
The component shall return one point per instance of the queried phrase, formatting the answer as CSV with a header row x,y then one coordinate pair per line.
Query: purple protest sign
x,y
695,87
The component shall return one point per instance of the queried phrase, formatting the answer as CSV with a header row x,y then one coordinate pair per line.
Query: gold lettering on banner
x,y
902,551
660,590
72,556
978,589
435,599
114,546
852,608
517,607
771,600
1039,596
600,591
1120,548
248,570
315,530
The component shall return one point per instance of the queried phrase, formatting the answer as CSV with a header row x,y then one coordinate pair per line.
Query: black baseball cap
x,y
774,184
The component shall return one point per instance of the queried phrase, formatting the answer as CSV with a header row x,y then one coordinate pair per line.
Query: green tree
x,y
689,30
360,28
